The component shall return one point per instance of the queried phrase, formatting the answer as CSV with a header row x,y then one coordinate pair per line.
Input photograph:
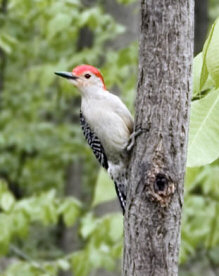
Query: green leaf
x,y
80,263
196,73
7,201
4,46
63,264
104,190
196,76
90,17
204,72
5,233
88,224
100,257
70,209
212,56
116,226
21,268
59,23
20,222
7,43
203,145
204,75
192,178
3,188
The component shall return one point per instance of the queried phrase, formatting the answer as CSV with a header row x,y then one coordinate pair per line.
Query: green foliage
x,y
45,208
201,218
104,244
203,145
125,1
104,190
40,136
204,72
212,54
204,131
196,72
209,62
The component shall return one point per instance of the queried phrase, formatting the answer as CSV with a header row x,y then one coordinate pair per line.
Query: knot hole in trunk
x,y
160,183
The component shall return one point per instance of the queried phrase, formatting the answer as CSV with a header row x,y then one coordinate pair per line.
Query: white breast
x,y
109,118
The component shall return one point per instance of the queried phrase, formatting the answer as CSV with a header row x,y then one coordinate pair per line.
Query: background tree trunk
x,y
201,24
69,239
3,11
157,167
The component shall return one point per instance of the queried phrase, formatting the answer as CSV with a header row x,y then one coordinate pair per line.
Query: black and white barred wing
x,y
94,142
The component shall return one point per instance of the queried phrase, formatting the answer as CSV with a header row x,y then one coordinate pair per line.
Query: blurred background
x,y
58,211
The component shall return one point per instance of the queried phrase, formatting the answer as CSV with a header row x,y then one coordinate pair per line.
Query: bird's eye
x,y
87,76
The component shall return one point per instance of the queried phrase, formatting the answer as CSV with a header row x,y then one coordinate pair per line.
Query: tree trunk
x,y
125,15
3,11
157,167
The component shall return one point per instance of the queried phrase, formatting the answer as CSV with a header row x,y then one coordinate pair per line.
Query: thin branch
x,y
22,255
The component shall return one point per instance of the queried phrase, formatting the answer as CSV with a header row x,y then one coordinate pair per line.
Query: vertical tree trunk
x,y
157,167
68,237
125,15
3,11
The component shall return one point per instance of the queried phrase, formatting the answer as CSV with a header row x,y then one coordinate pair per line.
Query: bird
x,y
106,122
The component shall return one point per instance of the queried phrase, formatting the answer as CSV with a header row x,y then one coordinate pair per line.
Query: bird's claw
x,y
132,138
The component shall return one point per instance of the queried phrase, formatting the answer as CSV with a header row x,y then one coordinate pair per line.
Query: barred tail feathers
x,y
117,172
121,195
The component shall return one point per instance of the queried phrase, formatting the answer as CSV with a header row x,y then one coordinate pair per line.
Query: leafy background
x,y
58,211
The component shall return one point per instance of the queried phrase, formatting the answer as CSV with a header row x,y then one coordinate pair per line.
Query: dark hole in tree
x,y
160,182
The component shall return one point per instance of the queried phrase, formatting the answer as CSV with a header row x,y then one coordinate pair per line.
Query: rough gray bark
x,y
157,167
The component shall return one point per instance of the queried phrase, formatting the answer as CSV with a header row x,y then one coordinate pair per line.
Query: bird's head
x,y
85,77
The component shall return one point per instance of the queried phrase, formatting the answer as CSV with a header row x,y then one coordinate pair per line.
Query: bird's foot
x,y
132,138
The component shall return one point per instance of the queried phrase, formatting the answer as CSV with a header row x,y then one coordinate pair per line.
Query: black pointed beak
x,y
67,75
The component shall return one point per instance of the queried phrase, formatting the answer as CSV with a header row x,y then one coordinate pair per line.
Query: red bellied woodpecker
x,y
106,122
